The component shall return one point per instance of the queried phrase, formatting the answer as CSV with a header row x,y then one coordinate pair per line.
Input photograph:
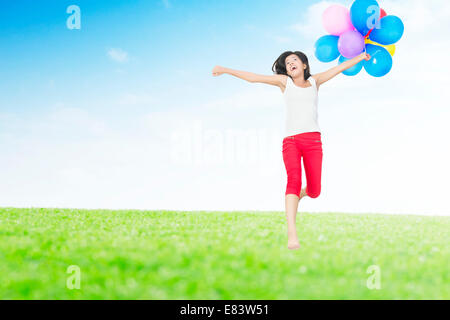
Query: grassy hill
x,y
130,254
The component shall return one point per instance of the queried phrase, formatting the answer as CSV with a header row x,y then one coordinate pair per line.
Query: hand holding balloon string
x,y
365,55
352,62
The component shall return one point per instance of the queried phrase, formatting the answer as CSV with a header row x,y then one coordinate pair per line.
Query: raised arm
x,y
275,80
331,73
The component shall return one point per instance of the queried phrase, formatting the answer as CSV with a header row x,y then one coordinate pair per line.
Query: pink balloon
x,y
336,20
350,44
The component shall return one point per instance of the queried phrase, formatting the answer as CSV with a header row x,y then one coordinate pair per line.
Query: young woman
x,y
303,134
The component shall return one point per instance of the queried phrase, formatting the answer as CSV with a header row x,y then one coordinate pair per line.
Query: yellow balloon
x,y
390,48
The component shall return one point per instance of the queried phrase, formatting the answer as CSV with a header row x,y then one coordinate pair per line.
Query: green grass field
x,y
133,254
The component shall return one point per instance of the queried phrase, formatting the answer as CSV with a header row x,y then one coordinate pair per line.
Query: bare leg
x,y
291,214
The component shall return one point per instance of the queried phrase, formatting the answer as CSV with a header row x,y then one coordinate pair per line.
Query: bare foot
x,y
293,245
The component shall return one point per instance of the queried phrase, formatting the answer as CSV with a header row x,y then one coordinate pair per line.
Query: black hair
x,y
279,66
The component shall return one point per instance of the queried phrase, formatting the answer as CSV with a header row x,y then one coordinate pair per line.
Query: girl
x,y
303,134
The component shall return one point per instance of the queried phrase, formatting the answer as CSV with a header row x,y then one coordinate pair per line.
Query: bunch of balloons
x,y
364,28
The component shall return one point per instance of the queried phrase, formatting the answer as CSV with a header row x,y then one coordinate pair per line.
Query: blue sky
x,y
160,37
124,113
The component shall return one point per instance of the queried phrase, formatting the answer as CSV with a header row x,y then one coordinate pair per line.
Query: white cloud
x,y
259,98
74,118
136,99
420,18
61,122
118,55
311,27
70,158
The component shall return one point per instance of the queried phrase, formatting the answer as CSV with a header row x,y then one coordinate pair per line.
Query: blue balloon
x,y
380,62
365,15
353,71
326,48
391,30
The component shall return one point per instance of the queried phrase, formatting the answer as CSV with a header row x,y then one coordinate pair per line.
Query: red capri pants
x,y
309,146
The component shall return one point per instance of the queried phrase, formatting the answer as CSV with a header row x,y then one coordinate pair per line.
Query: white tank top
x,y
301,108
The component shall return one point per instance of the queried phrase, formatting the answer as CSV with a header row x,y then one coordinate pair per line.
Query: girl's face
x,y
294,66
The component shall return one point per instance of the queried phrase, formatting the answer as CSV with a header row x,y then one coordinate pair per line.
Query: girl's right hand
x,y
217,71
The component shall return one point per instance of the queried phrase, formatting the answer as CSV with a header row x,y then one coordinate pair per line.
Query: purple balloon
x,y
350,44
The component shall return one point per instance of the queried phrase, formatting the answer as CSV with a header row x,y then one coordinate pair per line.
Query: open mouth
x,y
293,68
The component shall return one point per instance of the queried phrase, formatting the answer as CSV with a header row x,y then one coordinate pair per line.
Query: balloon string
x,y
368,33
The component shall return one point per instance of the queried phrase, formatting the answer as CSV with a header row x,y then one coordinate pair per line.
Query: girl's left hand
x,y
365,56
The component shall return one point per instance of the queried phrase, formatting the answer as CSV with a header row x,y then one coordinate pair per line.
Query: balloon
x,y
353,71
364,14
390,31
336,20
390,48
326,49
382,13
380,62
350,44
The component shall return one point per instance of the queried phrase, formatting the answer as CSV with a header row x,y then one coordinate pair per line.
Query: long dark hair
x,y
279,66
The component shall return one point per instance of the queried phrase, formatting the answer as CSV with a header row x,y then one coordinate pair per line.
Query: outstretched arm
x,y
330,74
275,80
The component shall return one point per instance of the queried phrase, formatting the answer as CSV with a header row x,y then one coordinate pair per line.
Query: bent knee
x,y
314,194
